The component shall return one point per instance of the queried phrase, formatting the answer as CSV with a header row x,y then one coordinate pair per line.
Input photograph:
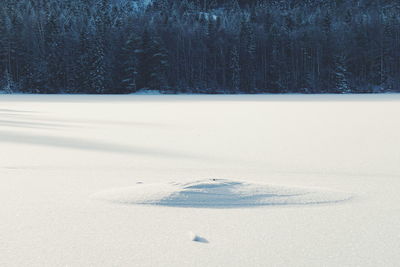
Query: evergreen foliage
x,y
206,46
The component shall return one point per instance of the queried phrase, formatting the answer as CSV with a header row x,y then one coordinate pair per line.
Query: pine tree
x,y
98,63
129,65
54,57
235,70
144,61
97,70
159,65
103,21
211,44
273,83
388,57
82,73
341,75
7,85
247,57
11,42
152,63
3,52
327,74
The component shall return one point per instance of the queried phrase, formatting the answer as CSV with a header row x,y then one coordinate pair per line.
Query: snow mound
x,y
219,193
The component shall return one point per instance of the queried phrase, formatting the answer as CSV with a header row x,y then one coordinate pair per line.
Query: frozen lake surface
x,y
263,180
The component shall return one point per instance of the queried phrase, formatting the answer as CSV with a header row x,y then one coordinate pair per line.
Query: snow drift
x,y
219,193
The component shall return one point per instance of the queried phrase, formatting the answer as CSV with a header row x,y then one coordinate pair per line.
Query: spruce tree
x,y
83,67
3,53
128,59
97,70
7,83
235,70
159,65
144,61
99,64
152,63
247,57
54,57
211,44
341,75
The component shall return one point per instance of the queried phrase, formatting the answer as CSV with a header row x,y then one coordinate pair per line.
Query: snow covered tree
x,y
341,75
98,61
144,61
159,59
152,63
97,68
103,18
129,60
52,46
7,85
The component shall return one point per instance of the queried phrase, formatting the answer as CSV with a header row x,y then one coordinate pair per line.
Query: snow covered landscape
x,y
196,180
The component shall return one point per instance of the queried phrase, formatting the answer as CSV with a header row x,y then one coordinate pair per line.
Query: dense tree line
x,y
200,46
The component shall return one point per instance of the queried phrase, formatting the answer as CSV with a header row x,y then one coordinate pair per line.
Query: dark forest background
x,y
282,46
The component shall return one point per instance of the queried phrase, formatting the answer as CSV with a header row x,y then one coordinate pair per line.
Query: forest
x,y
204,46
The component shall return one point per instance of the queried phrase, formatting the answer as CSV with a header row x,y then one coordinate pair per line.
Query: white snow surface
x,y
62,156
219,193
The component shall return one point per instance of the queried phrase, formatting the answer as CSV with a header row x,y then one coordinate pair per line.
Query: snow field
x,y
57,152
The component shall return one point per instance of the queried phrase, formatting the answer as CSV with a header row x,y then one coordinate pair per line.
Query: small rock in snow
x,y
196,238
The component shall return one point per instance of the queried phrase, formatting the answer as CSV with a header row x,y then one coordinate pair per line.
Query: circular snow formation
x,y
219,193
